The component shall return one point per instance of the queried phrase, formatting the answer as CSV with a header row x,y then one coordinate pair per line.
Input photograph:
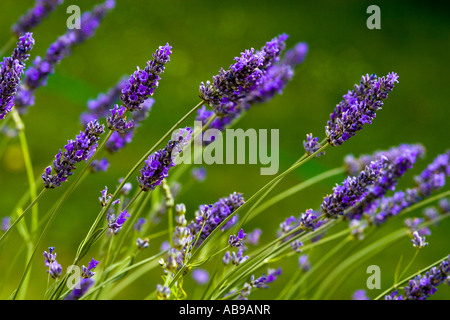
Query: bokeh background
x,y
414,41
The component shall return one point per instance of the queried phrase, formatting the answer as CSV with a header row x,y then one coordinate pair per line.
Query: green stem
x,y
23,214
293,190
29,168
250,200
56,210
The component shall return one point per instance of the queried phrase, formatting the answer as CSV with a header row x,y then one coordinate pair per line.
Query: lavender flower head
x,y
272,82
142,83
423,286
115,224
11,70
418,241
237,240
87,272
360,295
35,15
99,165
50,256
82,148
37,75
359,107
352,190
230,86
209,217
311,145
157,165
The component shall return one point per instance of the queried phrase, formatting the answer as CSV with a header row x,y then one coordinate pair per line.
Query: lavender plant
x,y
212,251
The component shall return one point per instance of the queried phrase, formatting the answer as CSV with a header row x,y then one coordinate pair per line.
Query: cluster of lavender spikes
x,y
157,165
35,15
11,70
429,180
423,286
209,217
82,148
36,76
358,107
271,82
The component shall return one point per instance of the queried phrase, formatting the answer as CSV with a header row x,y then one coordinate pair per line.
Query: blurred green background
x,y
414,41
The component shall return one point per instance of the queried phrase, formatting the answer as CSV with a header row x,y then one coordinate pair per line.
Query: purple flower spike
x,y
37,75
142,83
237,240
6,223
352,190
359,107
311,145
11,70
76,150
418,241
199,174
35,15
157,165
423,286
231,86
253,237
209,217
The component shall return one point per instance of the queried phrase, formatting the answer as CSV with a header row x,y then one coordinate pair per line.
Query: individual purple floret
x,y
117,121
311,145
81,289
157,165
50,256
423,286
352,190
142,83
55,270
237,240
81,148
99,165
418,241
303,263
34,16
36,75
431,179
235,258
209,217
142,244
359,107
11,70
360,295
87,272
6,223
115,224
199,174
200,276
